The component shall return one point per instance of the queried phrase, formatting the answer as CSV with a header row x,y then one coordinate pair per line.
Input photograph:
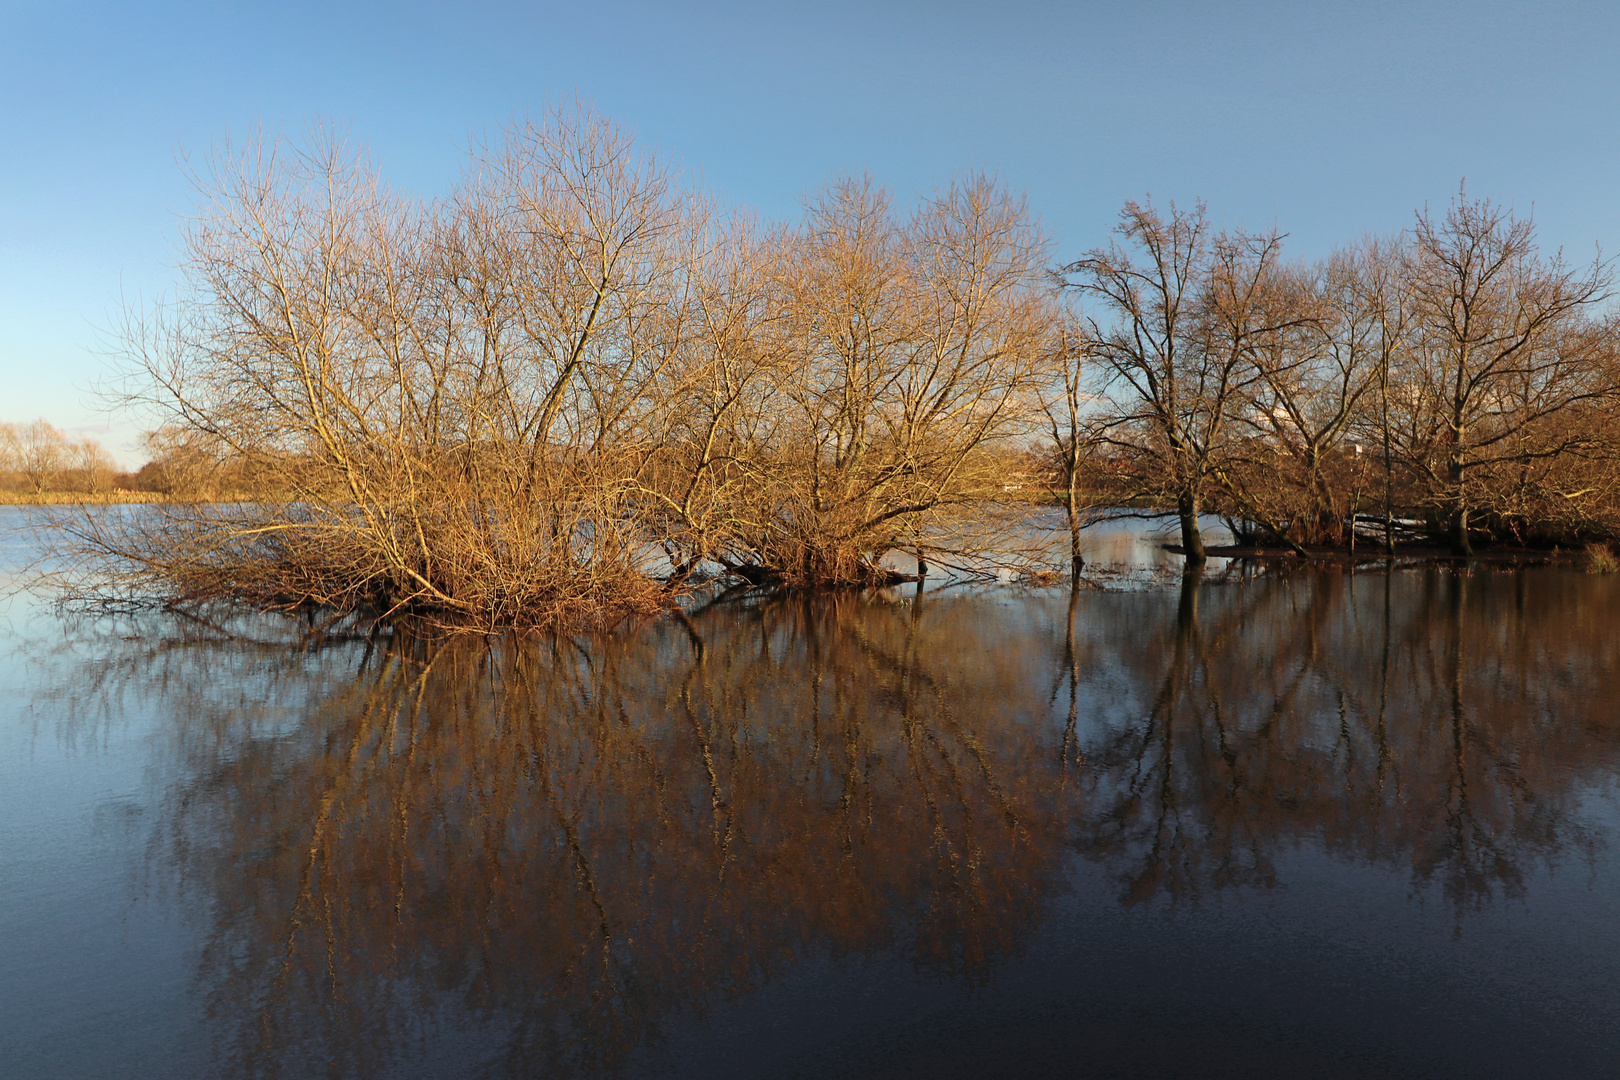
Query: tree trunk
x,y
1355,505
1459,513
1389,466
1076,561
1459,531
1192,540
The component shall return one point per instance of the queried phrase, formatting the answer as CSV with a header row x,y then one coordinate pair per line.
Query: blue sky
x,y
1327,120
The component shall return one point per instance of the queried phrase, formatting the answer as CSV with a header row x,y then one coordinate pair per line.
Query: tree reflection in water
x,y
1440,721
569,842
563,848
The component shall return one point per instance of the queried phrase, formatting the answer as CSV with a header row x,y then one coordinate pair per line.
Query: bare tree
x,y
1313,373
909,351
1066,405
182,463
10,448
1501,342
1187,311
446,397
93,466
1388,299
720,417
43,453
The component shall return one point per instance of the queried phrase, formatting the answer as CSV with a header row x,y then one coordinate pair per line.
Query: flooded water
x,y
1314,825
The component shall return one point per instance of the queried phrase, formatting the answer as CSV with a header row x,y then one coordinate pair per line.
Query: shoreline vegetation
x,y
80,498
575,387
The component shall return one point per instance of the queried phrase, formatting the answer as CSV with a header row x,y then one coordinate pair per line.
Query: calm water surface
x,y
1320,825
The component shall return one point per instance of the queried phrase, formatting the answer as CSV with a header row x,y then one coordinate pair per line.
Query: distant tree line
x,y
37,458
572,386
40,459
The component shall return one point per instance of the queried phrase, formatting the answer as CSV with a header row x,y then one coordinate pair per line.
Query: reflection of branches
x,y
1438,740
559,846
564,844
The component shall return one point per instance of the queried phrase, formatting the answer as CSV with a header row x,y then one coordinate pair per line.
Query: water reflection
x,y
563,844
1444,722
544,855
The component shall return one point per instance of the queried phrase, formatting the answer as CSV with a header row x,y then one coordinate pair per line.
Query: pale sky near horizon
x,y
1326,120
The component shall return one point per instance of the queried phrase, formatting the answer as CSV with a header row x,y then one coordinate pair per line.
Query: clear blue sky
x,y
1328,120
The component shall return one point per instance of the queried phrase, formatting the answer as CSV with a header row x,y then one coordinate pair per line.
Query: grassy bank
x,y
79,498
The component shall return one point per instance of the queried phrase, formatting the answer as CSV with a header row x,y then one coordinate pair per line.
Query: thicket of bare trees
x,y
37,458
563,389
574,385
1451,376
